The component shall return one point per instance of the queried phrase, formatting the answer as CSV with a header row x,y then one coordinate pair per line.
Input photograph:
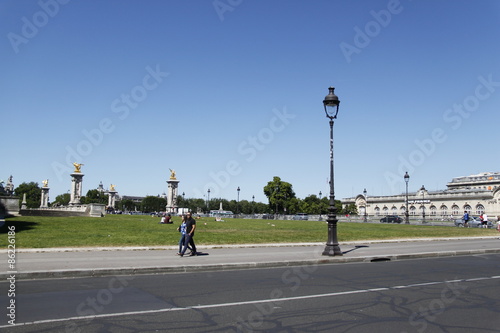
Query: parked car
x,y
474,222
301,216
391,219
268,216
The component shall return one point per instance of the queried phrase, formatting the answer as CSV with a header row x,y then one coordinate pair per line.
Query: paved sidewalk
x,y
81,262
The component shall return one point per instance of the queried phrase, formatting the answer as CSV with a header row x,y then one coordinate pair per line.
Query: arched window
x,y
455,210
377,211
433,210
479,209
385,210
444,210
394,210
402,211
467,208
413,210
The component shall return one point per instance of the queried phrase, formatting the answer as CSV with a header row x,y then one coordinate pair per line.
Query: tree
x,y
62,200
278,193
127,205
245,207
194,205
33,194
215,203
324,204
260,208
95,196
311,205
350,209
294,206
153,204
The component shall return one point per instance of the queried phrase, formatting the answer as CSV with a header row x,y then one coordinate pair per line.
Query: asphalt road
x,y
448,294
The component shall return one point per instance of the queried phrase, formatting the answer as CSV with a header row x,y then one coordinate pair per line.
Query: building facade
x,y
475,194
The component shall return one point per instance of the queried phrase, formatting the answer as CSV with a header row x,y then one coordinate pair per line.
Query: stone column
x,y
173,184
112,197
76,188
45,197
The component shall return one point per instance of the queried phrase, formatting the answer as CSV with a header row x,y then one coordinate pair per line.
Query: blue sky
x,y
228,93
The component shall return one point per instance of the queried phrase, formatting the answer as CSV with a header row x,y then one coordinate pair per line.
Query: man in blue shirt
x,y
466,218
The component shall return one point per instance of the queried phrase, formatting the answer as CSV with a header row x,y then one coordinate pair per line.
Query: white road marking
x,y
274,300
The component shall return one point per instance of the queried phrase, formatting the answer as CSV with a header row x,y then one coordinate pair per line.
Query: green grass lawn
x,y
143,230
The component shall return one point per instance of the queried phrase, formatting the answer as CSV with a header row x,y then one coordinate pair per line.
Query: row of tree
x,y
280,194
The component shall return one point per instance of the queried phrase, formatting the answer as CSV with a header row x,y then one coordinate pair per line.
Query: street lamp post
x,y
366,206
423,203
208,200
238,201
320,206
276,202
253,204
407,214
331,105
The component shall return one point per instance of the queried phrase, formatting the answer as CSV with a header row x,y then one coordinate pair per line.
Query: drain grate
x,y
380,259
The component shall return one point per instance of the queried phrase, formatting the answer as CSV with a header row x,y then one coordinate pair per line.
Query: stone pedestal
x,y
172,196
76,188
45,197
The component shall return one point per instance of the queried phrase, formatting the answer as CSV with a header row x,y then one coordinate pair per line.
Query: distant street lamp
x,y
208,200
238,202
253,204
276,199
423,203
407,213
320,205
366,206
331,104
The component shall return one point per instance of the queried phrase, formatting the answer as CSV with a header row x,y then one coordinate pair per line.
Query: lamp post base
x,y
332,247
332,250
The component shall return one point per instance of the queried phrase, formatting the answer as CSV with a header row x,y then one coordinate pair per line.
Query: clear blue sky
x,y
229,94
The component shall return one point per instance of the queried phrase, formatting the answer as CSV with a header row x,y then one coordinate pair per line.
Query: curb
x,y
229,246
79,273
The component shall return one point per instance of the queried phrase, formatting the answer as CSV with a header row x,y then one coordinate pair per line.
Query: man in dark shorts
x,y
466,218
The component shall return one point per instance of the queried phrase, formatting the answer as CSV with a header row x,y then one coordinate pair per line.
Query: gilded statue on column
x,y
78,167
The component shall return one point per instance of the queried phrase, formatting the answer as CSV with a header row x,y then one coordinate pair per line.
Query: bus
x,y
221,213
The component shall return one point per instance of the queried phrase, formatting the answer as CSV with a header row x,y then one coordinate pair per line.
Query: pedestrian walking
x,y
188,240
484,220
466,218
182,230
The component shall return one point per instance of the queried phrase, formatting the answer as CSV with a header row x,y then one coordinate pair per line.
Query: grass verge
x,y
143,230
